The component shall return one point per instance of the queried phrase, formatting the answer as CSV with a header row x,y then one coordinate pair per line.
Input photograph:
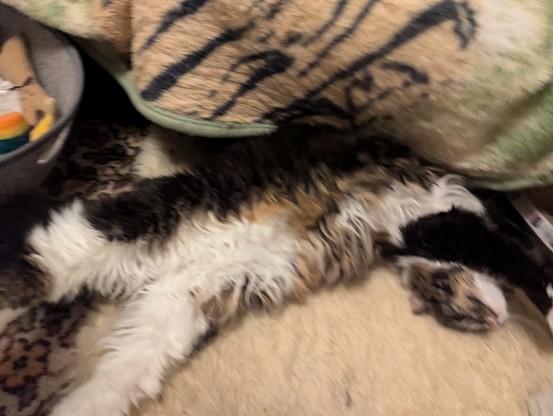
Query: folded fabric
x,y
465,83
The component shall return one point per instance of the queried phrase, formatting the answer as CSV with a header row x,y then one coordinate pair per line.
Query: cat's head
x,y
459,297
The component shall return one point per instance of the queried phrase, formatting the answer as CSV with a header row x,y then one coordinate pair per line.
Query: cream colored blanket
x,y
355,351
466,83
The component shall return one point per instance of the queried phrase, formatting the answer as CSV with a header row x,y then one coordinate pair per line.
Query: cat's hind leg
x,y
158,328
52,254
55,255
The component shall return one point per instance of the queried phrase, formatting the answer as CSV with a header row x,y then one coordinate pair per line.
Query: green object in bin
x,y
8,145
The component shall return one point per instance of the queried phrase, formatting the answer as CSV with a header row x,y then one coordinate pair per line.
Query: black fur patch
x,y
241,173
20,282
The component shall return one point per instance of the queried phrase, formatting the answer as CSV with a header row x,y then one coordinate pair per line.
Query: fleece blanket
x,y
465,83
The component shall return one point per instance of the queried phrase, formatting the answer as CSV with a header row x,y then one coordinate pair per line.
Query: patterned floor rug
x,y
36,351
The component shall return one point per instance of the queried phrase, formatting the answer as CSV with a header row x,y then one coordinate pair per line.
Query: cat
x,y
260,222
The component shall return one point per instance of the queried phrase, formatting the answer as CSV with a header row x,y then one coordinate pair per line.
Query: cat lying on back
x,y
261,222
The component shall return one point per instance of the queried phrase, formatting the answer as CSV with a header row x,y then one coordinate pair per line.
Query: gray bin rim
x,y
61,122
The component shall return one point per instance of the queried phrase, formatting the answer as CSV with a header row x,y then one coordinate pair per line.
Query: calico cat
x,y
257,224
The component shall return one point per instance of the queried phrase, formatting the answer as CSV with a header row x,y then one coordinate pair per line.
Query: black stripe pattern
x,y
170,76
184,9
356,79
437,14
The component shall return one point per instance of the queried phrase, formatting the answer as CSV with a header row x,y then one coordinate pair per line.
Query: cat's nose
x,y
502,315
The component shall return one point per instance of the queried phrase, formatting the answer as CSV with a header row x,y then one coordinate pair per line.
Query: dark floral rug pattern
x,y
36,351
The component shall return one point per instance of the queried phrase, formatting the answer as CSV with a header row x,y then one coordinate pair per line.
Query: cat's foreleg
x,y
157,329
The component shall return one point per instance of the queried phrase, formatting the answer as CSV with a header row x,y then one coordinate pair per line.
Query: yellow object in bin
x,y
44,124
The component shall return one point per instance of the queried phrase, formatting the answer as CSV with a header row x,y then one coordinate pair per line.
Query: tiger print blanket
x,y
465,83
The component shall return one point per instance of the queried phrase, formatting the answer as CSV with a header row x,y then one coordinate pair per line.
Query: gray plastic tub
x,y
58,66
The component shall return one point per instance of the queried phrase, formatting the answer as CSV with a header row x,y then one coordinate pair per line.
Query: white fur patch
x,y
163,153
449,192
403,203
492,296
212,255
550,319
77,256
549,290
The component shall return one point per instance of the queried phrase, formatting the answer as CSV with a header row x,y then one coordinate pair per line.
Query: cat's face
x,y
458,297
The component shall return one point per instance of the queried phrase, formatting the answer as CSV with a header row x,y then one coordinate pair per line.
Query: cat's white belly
x,y
202,255
213,255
